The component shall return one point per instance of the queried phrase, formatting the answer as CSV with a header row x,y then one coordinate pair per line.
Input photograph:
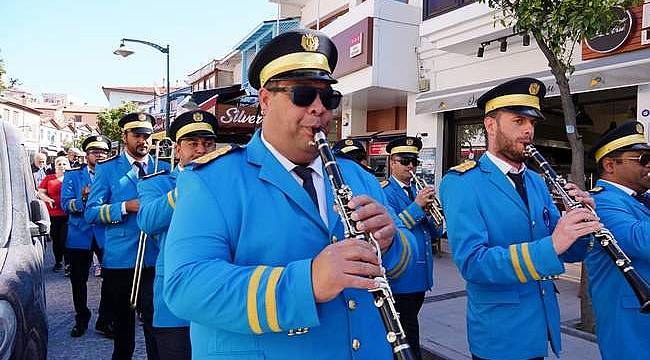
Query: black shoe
x,y
78,330
105,328
57,267
66,271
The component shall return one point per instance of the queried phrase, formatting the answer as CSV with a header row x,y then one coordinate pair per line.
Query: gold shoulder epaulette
x,y
596,189
155,174
209,157
464,166
384,183
107,160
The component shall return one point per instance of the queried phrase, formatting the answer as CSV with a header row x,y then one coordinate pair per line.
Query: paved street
x,y
60,310
442,318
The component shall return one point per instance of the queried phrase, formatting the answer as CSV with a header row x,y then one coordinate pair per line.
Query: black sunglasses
x,y
643,159
304,96
407,161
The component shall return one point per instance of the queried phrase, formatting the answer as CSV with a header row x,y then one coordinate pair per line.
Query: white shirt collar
x,y
401,184
624,188
132,160
315,164
503,166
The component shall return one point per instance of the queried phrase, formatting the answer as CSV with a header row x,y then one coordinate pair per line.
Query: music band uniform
x,y
83,240
115,183
503,247
238,256
410,288
157,195
621,329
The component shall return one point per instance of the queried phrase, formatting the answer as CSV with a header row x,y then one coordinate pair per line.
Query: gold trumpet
x,y
433,209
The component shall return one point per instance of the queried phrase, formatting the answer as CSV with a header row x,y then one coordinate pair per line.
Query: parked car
x,y
24,224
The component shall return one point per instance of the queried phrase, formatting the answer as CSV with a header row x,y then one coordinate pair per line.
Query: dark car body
x,y
23,226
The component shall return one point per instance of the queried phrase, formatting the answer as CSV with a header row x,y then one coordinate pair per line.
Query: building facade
x,y
463,54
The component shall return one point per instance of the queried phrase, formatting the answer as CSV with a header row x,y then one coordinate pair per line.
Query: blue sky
x,y
66,46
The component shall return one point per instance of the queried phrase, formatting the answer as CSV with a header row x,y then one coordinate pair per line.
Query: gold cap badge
x,y
197,117
309,42
349,142
639,128
142,117
533,89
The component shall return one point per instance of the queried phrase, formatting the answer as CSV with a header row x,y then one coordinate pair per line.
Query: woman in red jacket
x,y
50,191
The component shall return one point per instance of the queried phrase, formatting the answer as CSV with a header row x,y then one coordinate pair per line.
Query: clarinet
x,y
382,295
623,263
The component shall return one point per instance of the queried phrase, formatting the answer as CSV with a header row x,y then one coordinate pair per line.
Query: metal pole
x,y
168,104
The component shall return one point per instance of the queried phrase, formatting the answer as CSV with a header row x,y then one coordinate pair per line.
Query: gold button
x,y
352,304
356,344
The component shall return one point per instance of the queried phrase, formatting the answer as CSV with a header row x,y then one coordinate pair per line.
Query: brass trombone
x,y
433,209
142,241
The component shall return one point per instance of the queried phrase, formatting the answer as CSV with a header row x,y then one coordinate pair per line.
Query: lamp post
x,y
124,52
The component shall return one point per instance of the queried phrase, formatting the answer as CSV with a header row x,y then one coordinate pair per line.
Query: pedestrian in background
x,y
49,190
39,167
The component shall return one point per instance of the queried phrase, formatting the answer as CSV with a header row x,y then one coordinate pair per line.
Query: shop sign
x,y
614,39
235,116
377,148
645,25
355,45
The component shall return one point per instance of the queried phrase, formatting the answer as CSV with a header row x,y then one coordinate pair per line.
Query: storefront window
x,y
470,142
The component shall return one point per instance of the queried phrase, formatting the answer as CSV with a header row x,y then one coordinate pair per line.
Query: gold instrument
x,y
433,209
142,243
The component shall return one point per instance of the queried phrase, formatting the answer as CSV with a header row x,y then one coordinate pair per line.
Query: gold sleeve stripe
x,y
170,199
101,213
514,257
108,213
406,223
406,213
71,206
404,258
251,300
270,299
529,261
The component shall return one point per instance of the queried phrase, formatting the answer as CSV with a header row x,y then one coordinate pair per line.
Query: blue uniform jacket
x,y
504,251
622,331
158,200
420,276
80,232
238,264
115,183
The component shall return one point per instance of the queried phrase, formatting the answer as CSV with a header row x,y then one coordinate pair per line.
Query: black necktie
x,y
140,167
518,179
643,200
304,173
408,191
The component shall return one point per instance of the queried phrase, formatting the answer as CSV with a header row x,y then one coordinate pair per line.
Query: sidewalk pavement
x,y
443,329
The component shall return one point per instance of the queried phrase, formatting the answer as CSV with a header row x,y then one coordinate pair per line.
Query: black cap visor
x,y
525,111
198,133
141,130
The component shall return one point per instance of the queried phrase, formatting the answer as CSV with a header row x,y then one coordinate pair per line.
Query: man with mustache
x,y
113,202
194,135
623,157
255,256
506,235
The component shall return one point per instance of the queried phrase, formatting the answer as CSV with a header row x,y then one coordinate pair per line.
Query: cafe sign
x,y
616,37
245,117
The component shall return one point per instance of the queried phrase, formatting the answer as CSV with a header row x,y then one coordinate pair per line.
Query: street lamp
x,y
124,52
